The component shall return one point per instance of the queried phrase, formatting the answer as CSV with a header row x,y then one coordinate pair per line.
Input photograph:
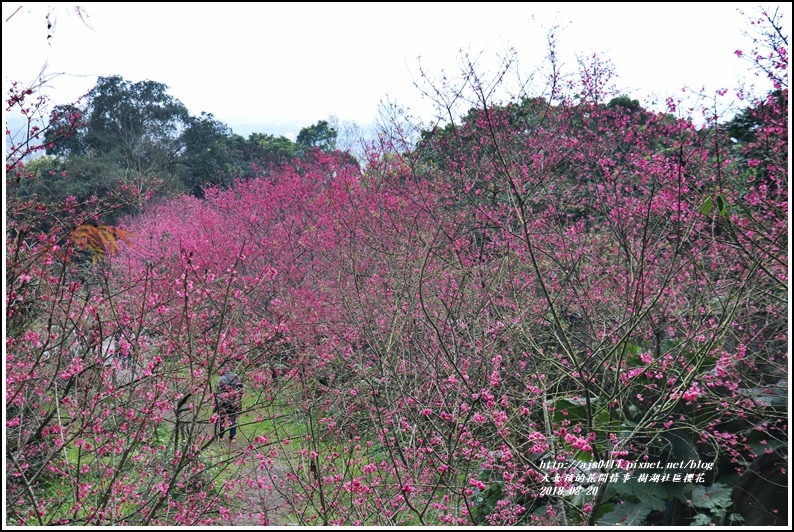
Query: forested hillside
x,y
560,308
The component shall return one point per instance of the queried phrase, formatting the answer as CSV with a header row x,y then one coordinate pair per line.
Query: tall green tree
x,y
129,136
139,123
212,155
263,149
320,135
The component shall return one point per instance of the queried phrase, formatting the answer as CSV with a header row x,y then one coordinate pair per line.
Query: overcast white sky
x,y
295,64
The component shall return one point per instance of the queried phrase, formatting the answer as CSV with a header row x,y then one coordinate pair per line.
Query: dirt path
x,y
266,506
253,499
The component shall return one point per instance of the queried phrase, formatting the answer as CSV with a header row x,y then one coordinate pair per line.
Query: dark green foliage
x,y
319,135
625,102
139,123
136,136
264,149
212,154
126,138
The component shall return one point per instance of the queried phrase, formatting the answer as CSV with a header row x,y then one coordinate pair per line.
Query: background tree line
x,y
564,278
134,135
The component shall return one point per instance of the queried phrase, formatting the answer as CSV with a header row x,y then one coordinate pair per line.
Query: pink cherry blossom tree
x,y
504,320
